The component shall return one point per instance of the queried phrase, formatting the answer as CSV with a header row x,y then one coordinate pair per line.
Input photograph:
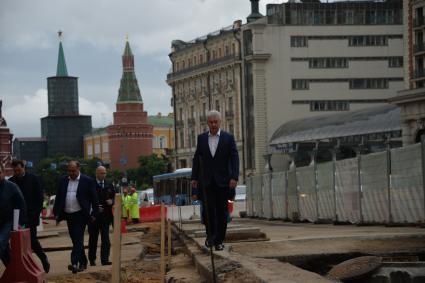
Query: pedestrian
x,y
125,213
106,194
31,189
133,204
10,198
215,173
76,202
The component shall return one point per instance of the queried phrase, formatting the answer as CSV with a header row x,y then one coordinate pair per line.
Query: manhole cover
x,y
355,268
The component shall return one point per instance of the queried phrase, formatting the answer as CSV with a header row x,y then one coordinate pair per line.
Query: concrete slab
x,y
236,230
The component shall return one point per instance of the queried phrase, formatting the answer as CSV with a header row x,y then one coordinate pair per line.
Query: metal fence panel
x,y
292,194
267,196
374,187
278,192
258,195
249,197
407,196
347,190
325,190
307,193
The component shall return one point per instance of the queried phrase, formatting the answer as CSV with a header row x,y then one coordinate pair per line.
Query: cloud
x,y
100,112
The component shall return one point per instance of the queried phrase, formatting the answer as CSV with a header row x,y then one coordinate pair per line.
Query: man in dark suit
x,y
32,191
215,174
106,195
76,202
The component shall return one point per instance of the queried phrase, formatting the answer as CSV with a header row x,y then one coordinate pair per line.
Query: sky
x,y
94,34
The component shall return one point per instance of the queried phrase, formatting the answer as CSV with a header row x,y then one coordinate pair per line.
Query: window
x,y
194,60
233,48
299,41
89,149
219,53
368,83
192,111
299,84
395,62
192,138
231,128
162,142
189,63
105,147
204,108
329,105
97,148
217,105
183,64
181,139
226,50
214,54
368,40
230,104
201,59
323,63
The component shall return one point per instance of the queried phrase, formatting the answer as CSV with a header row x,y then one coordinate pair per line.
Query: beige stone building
x,y
412,100
205,74
309,58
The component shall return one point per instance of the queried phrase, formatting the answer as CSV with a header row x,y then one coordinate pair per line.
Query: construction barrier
x,y
22,266
151,213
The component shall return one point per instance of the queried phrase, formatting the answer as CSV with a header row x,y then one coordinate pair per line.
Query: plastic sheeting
x,y
278,195
325,190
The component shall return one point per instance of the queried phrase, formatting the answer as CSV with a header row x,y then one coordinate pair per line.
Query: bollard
x,y
22,266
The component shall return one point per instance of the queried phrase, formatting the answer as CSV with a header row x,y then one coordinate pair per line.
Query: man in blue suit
x,y
76,202
215,174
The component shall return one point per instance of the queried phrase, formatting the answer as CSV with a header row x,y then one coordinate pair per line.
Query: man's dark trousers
x,y
216,203
35,244
76,227
100,225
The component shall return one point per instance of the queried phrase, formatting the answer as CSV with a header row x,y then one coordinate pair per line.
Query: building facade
x,y
412,99
30,149
5,143
163,134
310,58
130,135
205,75
64,127
96,145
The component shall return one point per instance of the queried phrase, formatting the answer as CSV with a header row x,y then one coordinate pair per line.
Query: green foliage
x,y
149,166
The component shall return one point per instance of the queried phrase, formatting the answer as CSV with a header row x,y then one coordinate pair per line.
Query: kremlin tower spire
x,y
130,136
61,70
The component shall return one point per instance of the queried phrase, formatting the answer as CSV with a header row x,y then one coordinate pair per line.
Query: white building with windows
x,y
307,58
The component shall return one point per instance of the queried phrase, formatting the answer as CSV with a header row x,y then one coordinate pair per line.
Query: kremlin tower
x,y
130,135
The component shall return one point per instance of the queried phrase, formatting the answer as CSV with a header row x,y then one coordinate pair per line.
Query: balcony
x,y
191,121
221,60
419,47
229,114
419,74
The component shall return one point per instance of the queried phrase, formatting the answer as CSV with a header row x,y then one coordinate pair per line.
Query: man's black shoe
x,y
73,268
106,263
207,243
82,267
92,263
219,247
46,266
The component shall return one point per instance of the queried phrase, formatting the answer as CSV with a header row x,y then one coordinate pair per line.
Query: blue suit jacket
x,y
220,168
86,196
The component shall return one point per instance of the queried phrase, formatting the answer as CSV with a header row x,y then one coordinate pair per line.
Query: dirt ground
x,y
143,268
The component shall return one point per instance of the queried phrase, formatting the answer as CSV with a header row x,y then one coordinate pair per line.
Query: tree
x,y
149,166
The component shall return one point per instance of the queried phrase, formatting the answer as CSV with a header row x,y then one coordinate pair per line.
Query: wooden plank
x,y
162,271
169,241
116,244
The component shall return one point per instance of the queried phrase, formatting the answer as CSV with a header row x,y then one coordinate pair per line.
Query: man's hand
x,y
233,183
109,201
194,184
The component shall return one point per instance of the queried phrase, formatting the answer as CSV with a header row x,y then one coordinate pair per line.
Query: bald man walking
x,y
106,194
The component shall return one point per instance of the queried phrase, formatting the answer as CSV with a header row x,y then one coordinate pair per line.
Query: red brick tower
x,y
5,144
130,136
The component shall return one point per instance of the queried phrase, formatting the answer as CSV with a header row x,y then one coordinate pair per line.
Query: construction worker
x,y
134,205
125,200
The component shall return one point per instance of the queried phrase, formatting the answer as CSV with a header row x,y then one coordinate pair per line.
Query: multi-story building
x,y
412,99
163,133
308,58
30,149
5,143
205,75
96,145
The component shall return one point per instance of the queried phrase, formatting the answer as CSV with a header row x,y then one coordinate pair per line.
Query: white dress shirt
x,y
213,141
71,202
